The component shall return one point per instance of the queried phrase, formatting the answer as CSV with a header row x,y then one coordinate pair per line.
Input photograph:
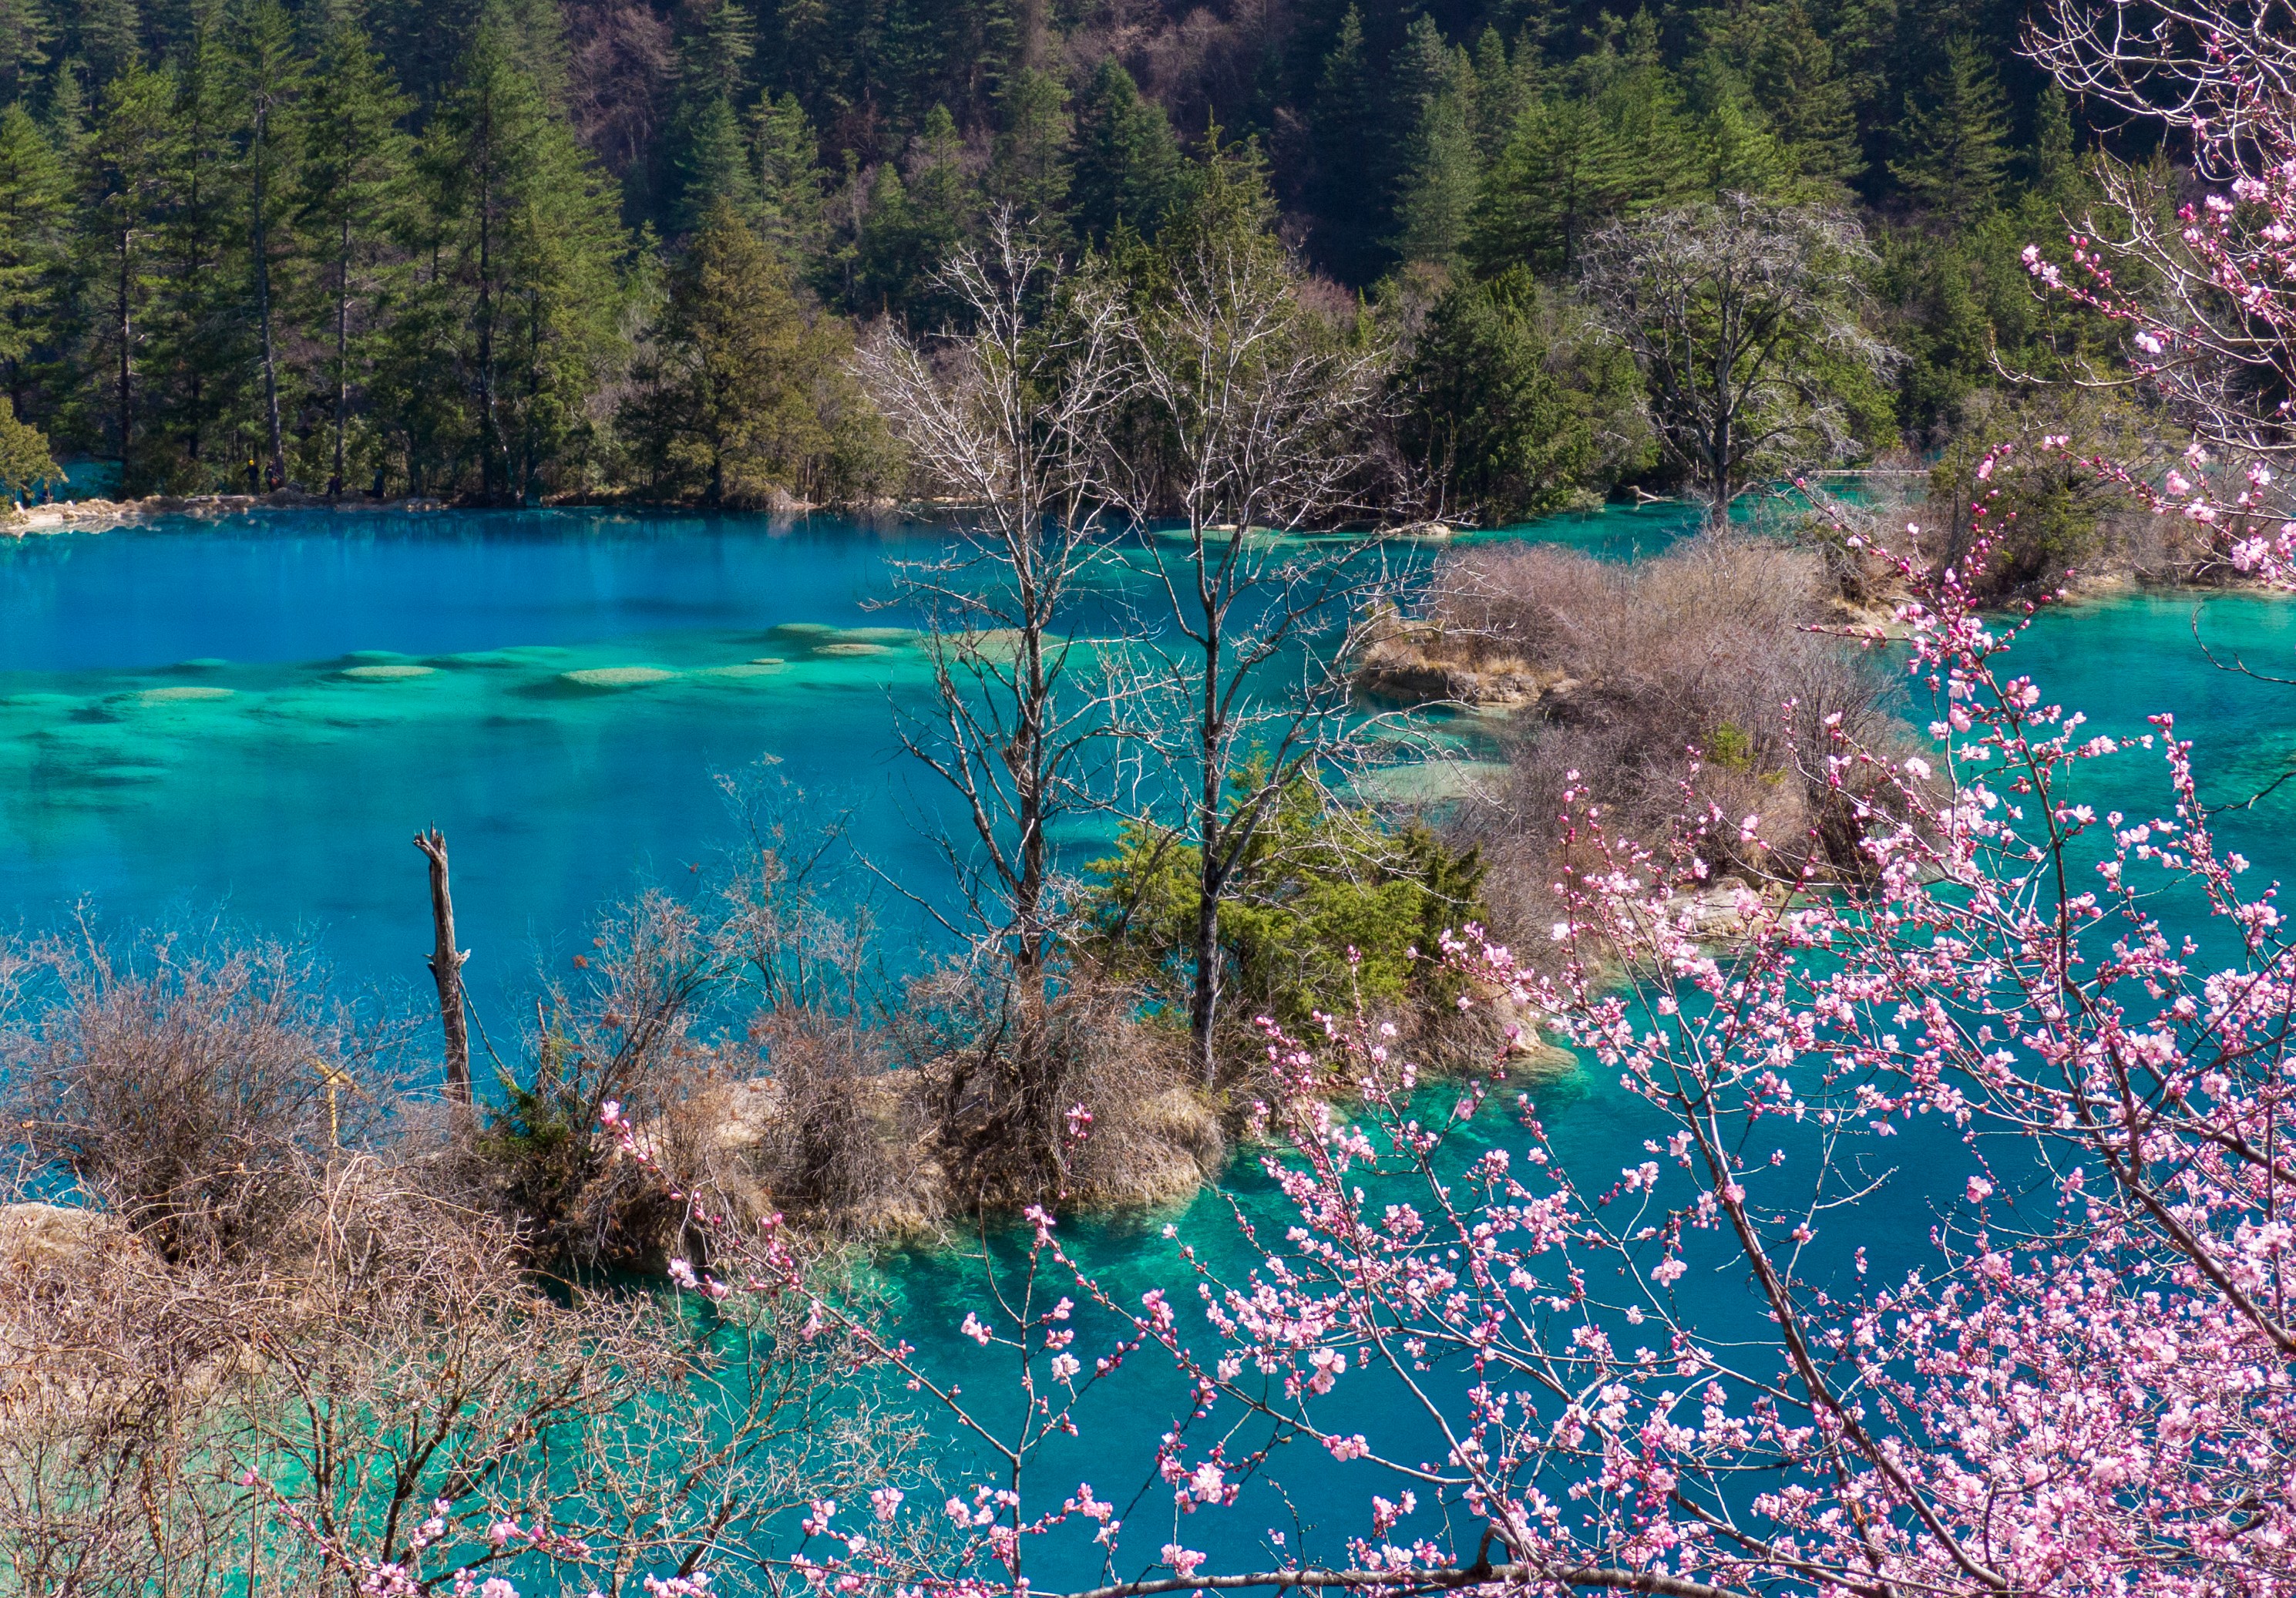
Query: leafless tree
x,y
1744,317
1255,417
1009,418
802,945
625,1026
2197,282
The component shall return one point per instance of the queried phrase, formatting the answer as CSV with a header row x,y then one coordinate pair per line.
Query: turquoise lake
x,y
254,714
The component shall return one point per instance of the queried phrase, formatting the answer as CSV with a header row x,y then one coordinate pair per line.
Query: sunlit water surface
x,y
256,714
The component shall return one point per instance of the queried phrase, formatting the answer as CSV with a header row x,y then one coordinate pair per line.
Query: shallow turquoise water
x,y
259,713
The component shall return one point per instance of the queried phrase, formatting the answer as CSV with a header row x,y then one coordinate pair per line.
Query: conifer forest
x,y
506,251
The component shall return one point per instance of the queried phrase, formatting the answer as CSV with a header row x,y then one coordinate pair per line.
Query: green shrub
x,y
1331,907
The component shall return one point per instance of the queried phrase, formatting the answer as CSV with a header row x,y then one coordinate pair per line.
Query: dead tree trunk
x,y
446,971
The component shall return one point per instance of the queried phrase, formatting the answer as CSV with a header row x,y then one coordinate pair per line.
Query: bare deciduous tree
x,y
1009,419
1744,317
2197,282
1257,414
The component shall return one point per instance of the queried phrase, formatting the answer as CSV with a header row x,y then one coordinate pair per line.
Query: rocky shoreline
x,y
95,515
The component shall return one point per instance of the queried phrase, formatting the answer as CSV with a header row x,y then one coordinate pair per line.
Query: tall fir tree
x,y
529,243
1342,129
1743,155
26,33
912,225
1439,170
33,213
2056,169
351,204
267,88
1956,135
789,185
65,114
1802,86
1557,180
730,408
710,163
106,37
1502,402
120,193
1621,143
1126,164
200,338
1505,83
1029,170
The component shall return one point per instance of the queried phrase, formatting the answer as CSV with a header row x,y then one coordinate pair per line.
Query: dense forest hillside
x,y
497,248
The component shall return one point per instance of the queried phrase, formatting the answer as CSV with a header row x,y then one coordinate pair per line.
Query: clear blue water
x,y
258,713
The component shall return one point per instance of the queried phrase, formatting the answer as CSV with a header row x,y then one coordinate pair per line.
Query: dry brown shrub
x,y
391,1352
187,1088
1064,1094
1689,684
841,1134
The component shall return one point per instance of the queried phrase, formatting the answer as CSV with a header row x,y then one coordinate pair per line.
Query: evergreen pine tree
x,y
906,63
1746,157
32,216
710,162
1560,176
713,164
25,34
1955,136
1657,156
105,35
1341,131
267,82
1514,422
2056,170
199,345
121,189
805,59
1800,85
788,177
1504,85
1030,171
912,228
1440,171
529,246
731,407
1126,164
354,193
1226,197
65,116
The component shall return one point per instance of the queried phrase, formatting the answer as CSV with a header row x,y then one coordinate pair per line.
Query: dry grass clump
x,y
390,1355
1686,684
